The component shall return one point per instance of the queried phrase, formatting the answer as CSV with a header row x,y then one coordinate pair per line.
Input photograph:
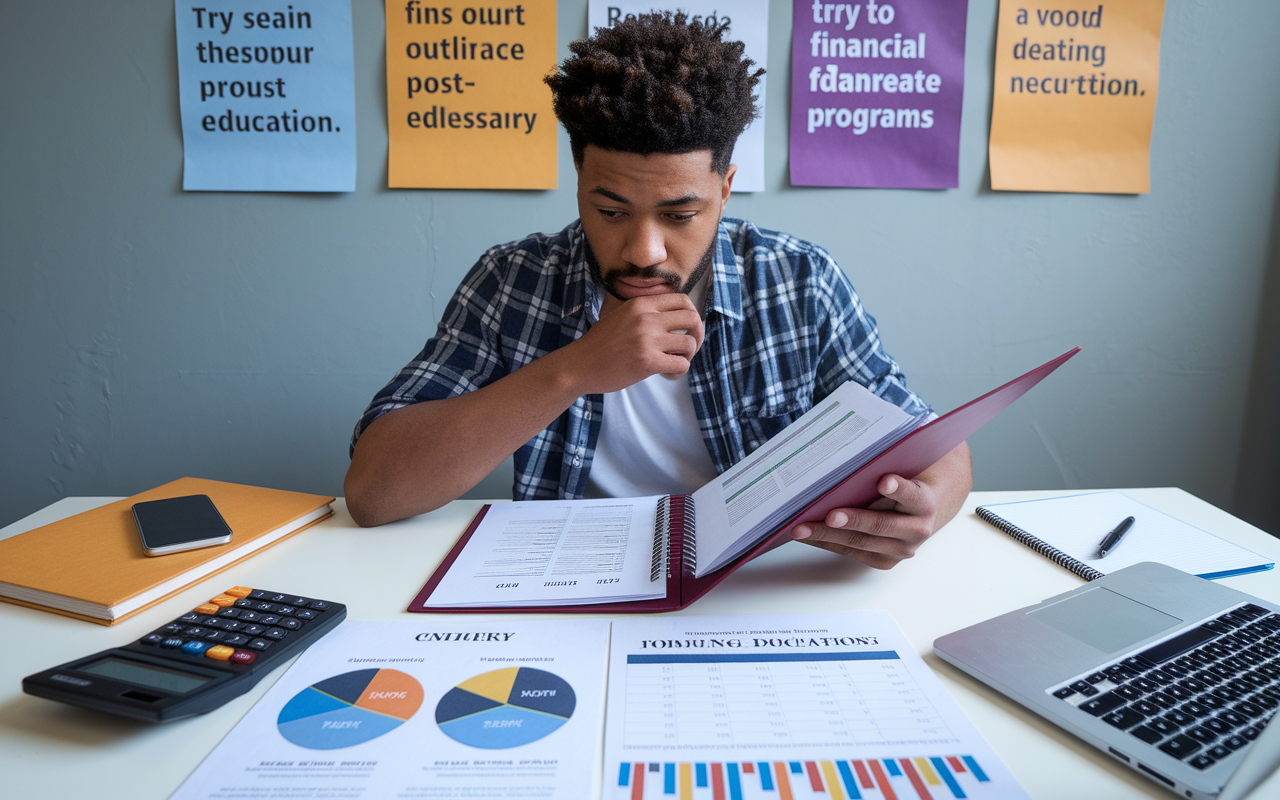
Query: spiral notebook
x,y
1068,530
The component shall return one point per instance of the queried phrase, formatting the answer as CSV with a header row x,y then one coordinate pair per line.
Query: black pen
x,y
1113,539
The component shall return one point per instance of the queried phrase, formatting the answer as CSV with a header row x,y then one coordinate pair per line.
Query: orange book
x,y
91,566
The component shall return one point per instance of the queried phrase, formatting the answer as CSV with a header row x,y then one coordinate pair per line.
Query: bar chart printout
x,y
785,707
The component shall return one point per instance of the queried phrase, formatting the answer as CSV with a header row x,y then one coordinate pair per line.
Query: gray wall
x,y
1258,484
147,333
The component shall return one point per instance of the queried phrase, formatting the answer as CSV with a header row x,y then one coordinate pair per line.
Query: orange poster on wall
x,y
466,105
1075,95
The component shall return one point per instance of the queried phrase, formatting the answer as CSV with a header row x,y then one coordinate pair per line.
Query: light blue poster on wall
x,y
267,92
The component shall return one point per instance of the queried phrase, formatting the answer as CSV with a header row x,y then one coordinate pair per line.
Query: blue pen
x,y
1113,539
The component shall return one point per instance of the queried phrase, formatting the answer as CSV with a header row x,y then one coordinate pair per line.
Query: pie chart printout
x,y
505,708
349,709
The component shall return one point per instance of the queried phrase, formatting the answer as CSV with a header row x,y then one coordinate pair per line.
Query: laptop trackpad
x,y
1103,619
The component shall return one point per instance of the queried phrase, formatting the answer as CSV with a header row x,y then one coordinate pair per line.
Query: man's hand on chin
x,y
651,335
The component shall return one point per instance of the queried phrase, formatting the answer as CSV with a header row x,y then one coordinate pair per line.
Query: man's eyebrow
x,y
614,196
681,201
617,198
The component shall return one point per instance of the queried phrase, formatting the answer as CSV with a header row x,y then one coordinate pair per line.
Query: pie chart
x,y
505,708
349,709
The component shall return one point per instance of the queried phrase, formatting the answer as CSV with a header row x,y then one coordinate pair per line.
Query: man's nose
x,y
645,245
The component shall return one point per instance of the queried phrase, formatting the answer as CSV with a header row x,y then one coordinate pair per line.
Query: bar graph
x,y
906,778
786,707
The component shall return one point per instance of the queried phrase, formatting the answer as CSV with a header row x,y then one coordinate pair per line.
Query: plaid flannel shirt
x,y
784,328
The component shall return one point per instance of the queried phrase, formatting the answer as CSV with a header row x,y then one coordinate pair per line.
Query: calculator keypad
x,y
236,626
225,645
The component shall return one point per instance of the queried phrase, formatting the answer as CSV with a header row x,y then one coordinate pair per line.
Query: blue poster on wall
x,y
267,96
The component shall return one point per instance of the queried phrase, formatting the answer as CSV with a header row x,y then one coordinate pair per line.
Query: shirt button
x,y
586,415
577,462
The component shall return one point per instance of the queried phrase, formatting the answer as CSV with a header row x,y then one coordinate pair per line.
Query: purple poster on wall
x,y
876,92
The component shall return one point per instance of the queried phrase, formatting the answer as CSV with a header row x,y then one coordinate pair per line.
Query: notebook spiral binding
x,y
1040,546
687,524
661,524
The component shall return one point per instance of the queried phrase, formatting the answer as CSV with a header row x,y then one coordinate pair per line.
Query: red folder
x,y
910,456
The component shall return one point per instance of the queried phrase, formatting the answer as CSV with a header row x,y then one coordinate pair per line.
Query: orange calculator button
x,y
219,652
238,591
208,608
223,600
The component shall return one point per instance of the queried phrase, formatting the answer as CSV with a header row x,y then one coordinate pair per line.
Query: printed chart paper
x,y
785,706
552,552
267,94
1075,96
876,93
748,22
466,105
835,438
417,709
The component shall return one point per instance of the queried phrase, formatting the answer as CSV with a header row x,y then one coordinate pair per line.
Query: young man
x,y
651,344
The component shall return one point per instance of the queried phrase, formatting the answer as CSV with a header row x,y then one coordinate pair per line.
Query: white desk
x,y
967,573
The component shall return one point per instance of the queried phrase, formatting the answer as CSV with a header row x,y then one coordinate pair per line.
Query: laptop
x,y
1172,675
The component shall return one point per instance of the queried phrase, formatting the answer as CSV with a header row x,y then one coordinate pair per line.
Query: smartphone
x,y
176,524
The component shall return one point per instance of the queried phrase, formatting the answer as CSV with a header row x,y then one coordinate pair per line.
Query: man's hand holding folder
x,y
893,527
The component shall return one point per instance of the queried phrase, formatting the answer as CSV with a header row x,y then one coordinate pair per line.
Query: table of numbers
x,y
776,700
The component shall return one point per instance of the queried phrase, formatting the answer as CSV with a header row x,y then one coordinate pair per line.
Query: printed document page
x,y
785,706
424,709
552,552
830,441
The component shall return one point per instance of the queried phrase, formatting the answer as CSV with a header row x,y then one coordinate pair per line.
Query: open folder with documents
x,y
663,552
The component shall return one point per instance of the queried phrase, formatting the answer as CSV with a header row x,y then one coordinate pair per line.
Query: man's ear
x,y
727,186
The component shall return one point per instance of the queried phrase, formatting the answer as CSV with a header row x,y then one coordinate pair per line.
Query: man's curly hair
x,y
657,83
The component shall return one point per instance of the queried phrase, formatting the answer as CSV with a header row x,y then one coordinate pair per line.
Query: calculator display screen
x,y
158,677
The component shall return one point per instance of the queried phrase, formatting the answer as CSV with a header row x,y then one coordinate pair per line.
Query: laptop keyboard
x,y
1199,696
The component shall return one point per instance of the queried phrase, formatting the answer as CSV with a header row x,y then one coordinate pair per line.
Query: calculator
x,y
217,651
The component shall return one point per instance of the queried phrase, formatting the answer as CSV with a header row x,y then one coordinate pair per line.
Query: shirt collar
x,y
577,298
726,284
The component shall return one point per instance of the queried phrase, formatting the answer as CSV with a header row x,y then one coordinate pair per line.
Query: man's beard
x,y
609,282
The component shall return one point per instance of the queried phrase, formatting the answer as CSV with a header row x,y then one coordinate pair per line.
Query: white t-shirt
x,y
649,439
